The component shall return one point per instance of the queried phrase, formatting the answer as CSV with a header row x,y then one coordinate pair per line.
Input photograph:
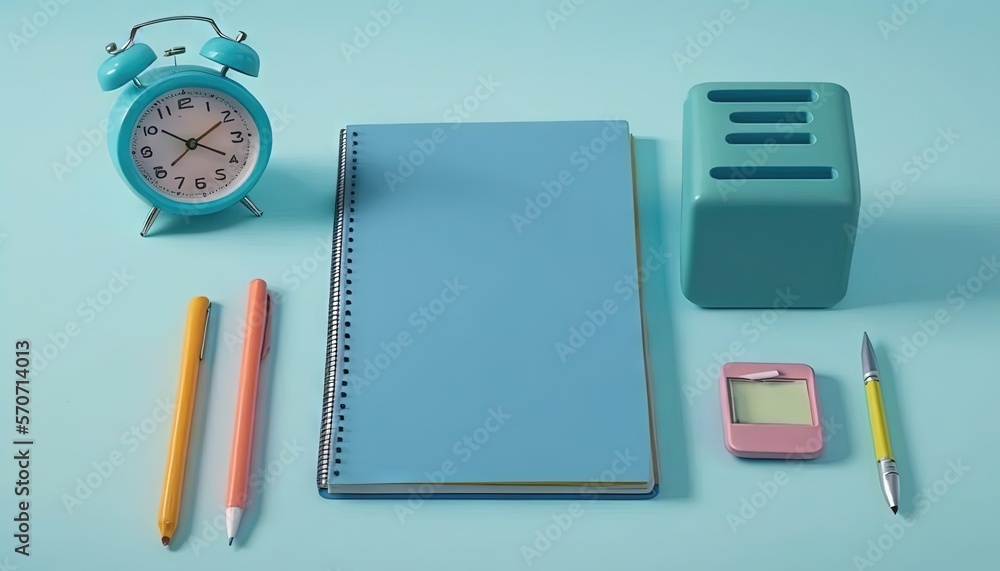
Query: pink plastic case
x,y
786,441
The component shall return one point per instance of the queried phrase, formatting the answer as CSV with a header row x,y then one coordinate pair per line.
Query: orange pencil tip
x,y
165,540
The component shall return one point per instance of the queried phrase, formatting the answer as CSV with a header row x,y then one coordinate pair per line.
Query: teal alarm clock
x,y
186,139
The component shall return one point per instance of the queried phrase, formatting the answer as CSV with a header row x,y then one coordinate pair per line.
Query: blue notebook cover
x,y
486,331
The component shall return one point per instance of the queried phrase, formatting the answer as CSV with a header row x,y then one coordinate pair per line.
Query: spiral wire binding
x,y
329,422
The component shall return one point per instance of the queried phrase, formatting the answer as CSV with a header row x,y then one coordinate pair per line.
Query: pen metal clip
x,y
204,333
265,346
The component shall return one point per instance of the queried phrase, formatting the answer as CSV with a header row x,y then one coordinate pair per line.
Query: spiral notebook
x,y
485,333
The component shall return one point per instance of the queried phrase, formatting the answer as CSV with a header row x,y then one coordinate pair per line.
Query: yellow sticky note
x,y
770,402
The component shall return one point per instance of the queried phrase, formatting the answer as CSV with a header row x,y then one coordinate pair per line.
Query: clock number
x,y
181,183
207,108
151,130
146,152
237,136
228,118
184,103
220,174
160,111
232,160
160,172
199,183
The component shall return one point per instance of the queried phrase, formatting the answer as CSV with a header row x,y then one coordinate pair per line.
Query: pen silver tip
x,y
868,363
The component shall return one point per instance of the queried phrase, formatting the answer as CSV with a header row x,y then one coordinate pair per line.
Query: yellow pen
x,y
192,352
888,475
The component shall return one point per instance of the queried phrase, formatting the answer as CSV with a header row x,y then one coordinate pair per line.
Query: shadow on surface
x,y
288,195
835,420
675,480
894,413
898,263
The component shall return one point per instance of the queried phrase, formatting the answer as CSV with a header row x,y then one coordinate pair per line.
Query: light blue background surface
x,y
63,237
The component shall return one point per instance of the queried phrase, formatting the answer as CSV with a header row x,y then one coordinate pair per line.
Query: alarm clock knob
x,y
232,55
125,66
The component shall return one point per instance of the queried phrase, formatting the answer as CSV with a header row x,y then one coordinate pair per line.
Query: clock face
x,y
195,145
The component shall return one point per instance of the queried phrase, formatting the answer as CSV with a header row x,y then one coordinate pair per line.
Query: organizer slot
x,y
773,173
770,138
762,95
770,117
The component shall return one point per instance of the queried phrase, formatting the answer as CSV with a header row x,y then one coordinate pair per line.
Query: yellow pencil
x,y
192,351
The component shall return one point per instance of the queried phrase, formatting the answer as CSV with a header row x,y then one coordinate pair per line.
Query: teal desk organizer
x,y
770,195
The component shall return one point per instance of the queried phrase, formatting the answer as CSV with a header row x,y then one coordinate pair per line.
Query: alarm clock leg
x,y
251,206
149,221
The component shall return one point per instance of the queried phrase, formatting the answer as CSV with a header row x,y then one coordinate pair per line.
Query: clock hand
x,y
211,149
180,157
187,145
212,128
193,143
188,149
165,132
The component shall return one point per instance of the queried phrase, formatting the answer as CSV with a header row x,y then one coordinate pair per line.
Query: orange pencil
x,y
255,347
192,351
